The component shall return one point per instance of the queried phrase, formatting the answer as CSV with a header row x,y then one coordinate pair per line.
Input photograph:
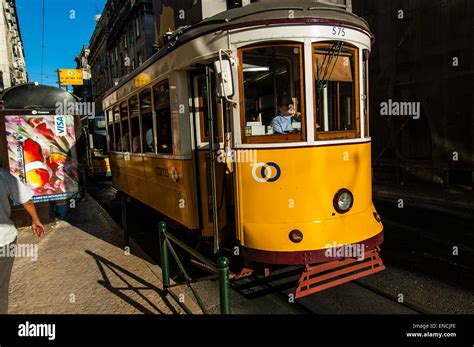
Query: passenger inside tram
x,y
124,145
148,138
136,144
287,115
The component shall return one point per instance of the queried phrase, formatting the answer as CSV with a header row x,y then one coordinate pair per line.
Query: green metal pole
x,y
224,287
165,264
126,238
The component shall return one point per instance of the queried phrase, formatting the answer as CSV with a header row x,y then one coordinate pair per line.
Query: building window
x,y
137,26
336,86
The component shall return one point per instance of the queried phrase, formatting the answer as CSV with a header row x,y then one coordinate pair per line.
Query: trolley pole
x,y
224,287
124,222
165,270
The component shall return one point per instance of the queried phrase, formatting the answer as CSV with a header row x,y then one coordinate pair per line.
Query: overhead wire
x,y
42,43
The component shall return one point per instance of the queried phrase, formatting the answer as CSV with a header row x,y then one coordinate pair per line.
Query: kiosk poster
x,y
42,154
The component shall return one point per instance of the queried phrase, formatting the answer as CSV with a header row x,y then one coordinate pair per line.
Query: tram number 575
x,y
338,31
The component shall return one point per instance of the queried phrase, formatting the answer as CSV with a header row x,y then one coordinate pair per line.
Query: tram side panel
x,y
119,176
136,177
163,184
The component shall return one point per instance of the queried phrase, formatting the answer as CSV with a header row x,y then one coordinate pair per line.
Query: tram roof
x,y
256,14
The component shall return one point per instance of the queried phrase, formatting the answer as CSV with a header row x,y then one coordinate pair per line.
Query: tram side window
x,y
124,143
273,93
135,124
116,114
335,66
204,112
110,130
147,122
163,118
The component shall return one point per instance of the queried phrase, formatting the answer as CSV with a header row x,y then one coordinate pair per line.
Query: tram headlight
x,y
343,201
296,236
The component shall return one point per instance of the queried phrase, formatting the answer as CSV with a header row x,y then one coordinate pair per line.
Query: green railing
x,y
222,271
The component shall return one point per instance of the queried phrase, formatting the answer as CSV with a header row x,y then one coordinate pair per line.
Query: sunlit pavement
x,y
82,268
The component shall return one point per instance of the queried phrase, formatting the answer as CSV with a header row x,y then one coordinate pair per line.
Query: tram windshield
x,y
335,66
273,93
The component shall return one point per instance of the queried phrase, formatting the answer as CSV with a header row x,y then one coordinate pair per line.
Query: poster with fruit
x,y
42,154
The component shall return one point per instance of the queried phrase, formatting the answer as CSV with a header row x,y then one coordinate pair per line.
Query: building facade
x,y
12,56
82,63
122,40
423,55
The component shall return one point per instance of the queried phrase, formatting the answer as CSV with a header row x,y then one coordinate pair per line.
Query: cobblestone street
x,y
81,268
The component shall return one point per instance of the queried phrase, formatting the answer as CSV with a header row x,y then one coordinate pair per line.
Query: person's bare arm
x,y
36,224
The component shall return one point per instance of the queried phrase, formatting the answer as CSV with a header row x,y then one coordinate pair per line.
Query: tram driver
x,y
287,115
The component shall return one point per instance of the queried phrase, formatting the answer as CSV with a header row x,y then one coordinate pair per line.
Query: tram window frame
x,y
365,84
124,119
275,138
146,117
338,134
203,112
135,126
117,127
162,110
110,130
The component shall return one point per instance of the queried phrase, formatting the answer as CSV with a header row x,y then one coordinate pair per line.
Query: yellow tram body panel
x,y
167,185
302,198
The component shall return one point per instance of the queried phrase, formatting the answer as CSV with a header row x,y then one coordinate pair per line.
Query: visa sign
x,y
60,126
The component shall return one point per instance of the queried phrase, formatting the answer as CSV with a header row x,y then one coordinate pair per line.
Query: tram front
x,y
304,196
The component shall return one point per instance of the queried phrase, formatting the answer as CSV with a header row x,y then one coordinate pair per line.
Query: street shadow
x,y
254,287
91,218
126,276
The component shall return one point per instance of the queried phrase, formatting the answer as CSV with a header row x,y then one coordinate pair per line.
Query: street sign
x,y
70,77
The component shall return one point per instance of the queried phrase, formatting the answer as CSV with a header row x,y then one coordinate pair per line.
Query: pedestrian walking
x,y
12,189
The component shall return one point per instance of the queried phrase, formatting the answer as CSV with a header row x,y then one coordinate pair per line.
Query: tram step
x,y
323,276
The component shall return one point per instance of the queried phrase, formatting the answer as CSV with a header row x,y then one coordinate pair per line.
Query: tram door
x,y
215,182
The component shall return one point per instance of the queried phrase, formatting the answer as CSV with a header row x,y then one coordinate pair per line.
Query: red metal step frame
x,y
323,276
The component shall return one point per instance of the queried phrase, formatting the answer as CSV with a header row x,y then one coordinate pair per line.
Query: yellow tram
x,y
251,128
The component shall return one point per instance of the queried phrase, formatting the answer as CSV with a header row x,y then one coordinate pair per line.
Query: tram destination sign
x,y
42,154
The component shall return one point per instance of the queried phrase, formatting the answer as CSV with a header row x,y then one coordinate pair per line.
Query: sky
x,y
69,25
